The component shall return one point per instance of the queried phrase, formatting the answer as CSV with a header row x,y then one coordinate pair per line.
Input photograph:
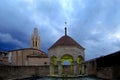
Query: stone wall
x,y
13,72
105,73
90,68
116,72
18,72
35,61
28,56
110,73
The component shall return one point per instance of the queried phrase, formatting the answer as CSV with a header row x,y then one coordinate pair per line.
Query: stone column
x,y
59,68
75,67
51,69
79,69
83,69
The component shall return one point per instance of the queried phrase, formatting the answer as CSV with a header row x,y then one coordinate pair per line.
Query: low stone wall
x,y
116,72
18,72
105,73
13,72
112,73
90,68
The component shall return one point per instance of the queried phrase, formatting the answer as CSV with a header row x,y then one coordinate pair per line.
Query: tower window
x,y
36,43
33,43
45,62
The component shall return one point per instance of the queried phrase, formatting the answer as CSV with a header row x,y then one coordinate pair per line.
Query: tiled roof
x,y
26,49
66,41
38,55
40,52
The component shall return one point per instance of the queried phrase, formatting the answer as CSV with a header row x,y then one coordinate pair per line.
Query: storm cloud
x,y
94,24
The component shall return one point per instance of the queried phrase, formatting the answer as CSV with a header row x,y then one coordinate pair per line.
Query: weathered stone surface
x,y
28,57
66,46
15,72
107,67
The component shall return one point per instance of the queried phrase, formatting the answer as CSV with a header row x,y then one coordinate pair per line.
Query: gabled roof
x,y
27,49
38,55
66,41
41,53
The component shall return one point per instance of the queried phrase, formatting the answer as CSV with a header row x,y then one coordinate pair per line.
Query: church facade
x,y
29,56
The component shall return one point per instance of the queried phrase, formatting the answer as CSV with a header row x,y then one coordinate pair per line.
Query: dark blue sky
x,y
95,24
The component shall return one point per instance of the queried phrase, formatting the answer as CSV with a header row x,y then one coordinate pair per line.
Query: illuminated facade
x,y
64,50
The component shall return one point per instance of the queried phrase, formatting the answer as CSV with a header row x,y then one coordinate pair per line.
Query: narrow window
x,y
36,43
45,62
33,43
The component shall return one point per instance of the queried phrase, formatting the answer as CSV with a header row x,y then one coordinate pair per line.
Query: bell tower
x,y
35,39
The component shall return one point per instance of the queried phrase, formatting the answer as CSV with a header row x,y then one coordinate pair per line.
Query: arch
x,y
67,57
80,59
67,69
53,63
53,60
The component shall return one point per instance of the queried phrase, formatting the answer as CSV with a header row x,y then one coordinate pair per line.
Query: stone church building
x,y
31,61
64,49
68,49
29,56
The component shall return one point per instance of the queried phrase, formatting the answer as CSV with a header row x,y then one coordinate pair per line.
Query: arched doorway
x,y
53,65
79,62
67,64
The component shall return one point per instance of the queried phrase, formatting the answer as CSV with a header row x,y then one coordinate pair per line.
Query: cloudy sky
x,y
94,24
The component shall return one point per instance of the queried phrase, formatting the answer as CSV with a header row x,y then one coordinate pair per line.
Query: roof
x,y
66,41
109,60
41,53
3,52
38,55
26,49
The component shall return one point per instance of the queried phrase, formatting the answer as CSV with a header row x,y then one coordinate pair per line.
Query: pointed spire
x,y
36,31
65,29
35,39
